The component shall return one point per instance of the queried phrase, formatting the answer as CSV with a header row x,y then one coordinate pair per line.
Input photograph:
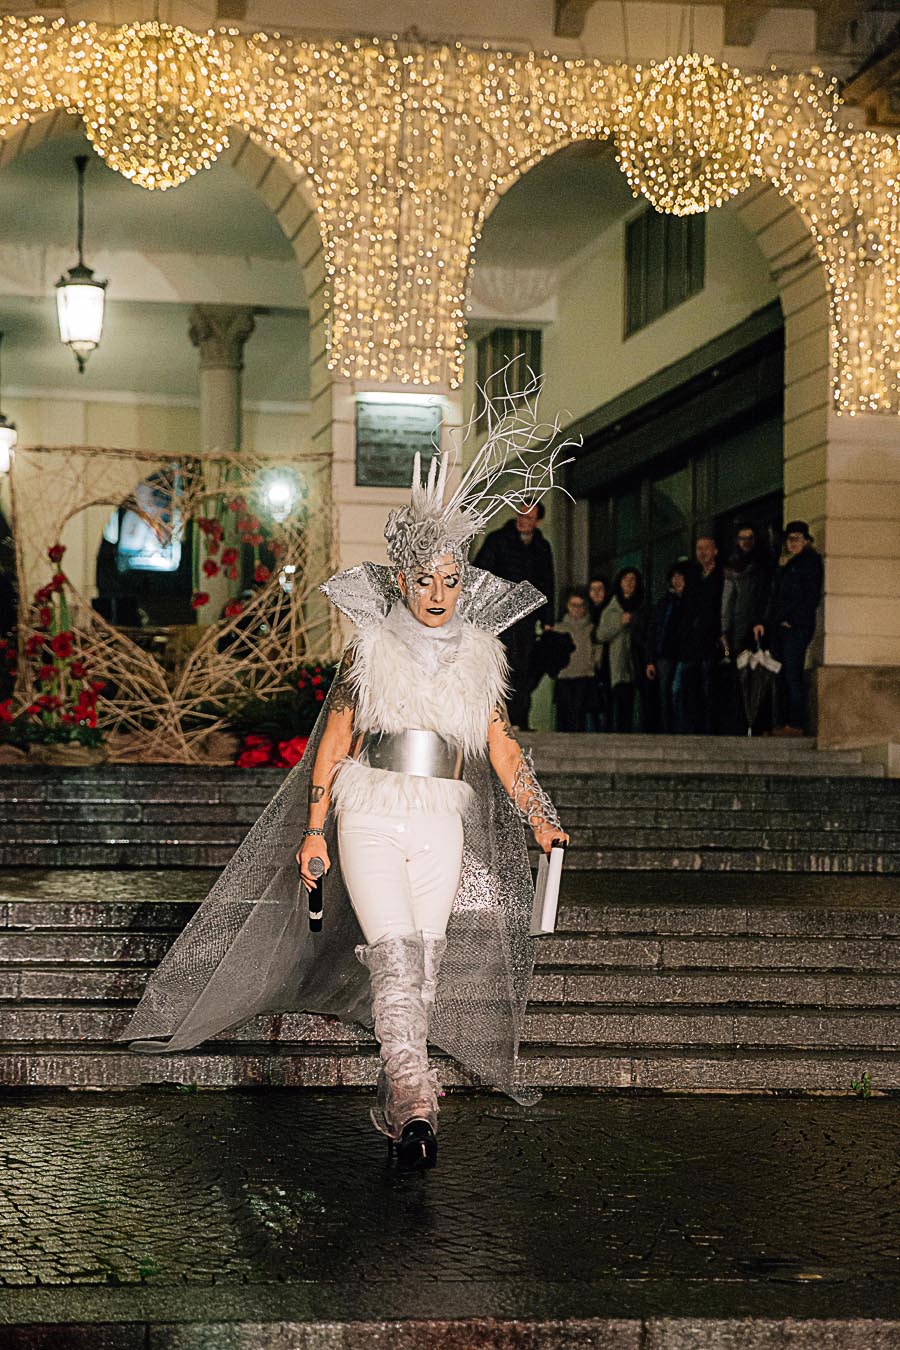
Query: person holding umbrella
x,y
790,620
748,579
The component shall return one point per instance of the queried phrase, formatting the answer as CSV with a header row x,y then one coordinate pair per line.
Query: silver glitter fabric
x,y
533,805
248,949
367,593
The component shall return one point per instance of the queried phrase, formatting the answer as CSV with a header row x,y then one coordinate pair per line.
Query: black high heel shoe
x,y
417,1145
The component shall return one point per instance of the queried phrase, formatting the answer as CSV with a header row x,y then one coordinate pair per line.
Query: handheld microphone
x,y
316,895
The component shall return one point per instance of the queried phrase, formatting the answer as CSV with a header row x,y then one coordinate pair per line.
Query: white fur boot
x,y
406,1104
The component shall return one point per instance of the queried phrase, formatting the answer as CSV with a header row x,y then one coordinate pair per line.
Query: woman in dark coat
x,y
620,629
598,717
662,642
790,620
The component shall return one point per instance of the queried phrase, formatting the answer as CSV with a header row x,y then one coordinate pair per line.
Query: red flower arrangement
x,y
64,706
275,731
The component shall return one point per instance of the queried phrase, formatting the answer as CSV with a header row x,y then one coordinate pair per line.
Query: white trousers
x,y
401,871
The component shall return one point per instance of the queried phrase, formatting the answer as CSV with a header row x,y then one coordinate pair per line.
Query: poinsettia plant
x,y
64,707
274,731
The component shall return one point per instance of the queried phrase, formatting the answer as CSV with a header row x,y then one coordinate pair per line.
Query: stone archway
x,y
786,243
841,474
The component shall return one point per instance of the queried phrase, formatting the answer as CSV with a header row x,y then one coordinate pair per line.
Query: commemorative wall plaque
x,y
388,434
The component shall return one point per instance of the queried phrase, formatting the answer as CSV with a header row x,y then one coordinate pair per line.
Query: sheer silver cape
x,y
248,949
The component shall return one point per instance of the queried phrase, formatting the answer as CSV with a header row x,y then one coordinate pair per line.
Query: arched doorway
x,y
617,295
242,232
691,356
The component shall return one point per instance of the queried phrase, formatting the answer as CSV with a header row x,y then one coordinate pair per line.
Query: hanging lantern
x,y
8,435
80,298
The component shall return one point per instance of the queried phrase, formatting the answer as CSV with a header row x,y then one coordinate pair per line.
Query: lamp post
x,y
8,434
79,297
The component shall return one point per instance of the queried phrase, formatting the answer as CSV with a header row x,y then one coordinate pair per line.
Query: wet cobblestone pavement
x,y
184,1207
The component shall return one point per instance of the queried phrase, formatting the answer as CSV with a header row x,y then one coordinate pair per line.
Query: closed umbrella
x,y
756,675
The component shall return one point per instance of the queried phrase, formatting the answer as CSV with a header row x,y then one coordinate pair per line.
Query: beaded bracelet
x,y
306,833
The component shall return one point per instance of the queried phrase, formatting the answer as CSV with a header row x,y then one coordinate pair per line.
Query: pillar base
x,y
857,706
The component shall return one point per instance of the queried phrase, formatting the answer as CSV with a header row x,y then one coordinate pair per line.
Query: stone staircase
x,y
687,814
690,983
721,928
793,758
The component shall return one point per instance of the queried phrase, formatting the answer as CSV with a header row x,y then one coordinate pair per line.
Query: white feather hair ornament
x,y
516,466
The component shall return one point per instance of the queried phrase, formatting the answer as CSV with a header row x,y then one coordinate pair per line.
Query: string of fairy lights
x,y
406,145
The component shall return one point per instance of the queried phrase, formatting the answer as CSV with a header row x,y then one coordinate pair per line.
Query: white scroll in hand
x,y
546,891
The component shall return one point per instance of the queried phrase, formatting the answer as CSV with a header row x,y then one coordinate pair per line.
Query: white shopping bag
x,y
546,891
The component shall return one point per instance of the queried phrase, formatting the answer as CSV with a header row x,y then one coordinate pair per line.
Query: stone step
x,y
738,819
203,822
128,948
556,1025
124,948
713,834
740,987
101,833
639,745
806,1029
696,793
581,922
682,830
823,860
825,857
700,1070
711,988
812,768
120,856
646,1068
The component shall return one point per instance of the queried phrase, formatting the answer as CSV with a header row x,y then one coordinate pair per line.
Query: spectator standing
x,y
790,620
598,705
619,623
575,681
745,590
745,593
518,551
700,645
663,637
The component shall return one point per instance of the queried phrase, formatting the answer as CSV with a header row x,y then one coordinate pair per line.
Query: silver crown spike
x,y
442,478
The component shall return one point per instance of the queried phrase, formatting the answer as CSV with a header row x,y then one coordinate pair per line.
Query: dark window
x,y
664,264
495,350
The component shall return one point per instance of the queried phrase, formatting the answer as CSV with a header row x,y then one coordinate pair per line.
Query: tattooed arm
x,y
516,772
334,746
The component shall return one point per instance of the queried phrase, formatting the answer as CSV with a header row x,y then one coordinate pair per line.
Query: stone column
x,y
859,680
219,333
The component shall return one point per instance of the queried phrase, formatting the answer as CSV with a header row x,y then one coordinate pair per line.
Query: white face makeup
x,y
432,595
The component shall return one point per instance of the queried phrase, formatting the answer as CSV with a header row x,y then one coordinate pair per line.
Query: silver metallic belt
x,y
422,753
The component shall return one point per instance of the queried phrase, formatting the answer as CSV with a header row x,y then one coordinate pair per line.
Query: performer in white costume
x,y
416,695
414,791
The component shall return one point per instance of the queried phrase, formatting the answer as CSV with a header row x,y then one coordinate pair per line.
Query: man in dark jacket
x,y
748,580
699,643
519,552
790,619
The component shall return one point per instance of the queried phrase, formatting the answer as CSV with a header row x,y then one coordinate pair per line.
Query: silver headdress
x,y
517,464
